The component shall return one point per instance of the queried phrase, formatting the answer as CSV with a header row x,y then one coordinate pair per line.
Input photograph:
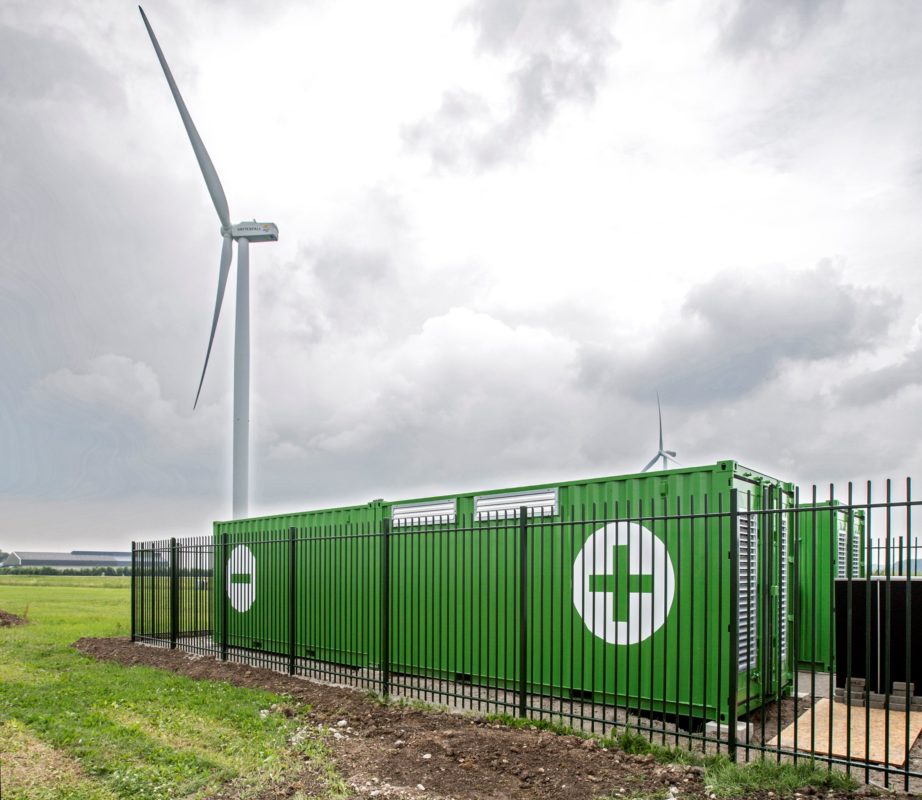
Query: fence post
x,y
523,608
156,556
292,598
141,631
174,593
224,589
133,570
385,610
733,677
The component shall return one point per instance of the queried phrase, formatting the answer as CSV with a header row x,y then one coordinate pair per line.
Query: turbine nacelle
x,y
255,231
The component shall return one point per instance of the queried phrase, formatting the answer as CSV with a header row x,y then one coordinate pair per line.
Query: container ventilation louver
x,y
540,503
430,513
748,587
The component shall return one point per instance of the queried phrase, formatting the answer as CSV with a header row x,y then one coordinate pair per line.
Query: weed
x,y
536,724
727,779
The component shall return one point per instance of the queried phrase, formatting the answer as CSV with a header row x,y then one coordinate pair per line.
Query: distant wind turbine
x,y
666,455
243,233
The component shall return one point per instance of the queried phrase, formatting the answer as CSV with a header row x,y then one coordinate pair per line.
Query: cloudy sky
x,y
504,225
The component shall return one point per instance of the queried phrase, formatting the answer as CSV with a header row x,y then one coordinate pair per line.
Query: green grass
x,y
537,724
74,728
727,779
113,731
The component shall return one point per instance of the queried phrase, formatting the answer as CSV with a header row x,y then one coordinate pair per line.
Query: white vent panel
x,y
540,503
842,549
434,513
857,546
783,587
747,535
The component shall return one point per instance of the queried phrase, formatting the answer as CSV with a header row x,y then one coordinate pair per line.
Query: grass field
x,y
74,727
71,727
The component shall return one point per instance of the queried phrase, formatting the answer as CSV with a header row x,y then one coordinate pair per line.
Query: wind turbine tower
x,y
243,233
666,455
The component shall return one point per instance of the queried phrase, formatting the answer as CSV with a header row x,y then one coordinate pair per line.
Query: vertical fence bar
x,y
719,601
777,501
134,569
911,567
764,645
794,610
292,598
867,641
174,593
154,580
733,677
523,609
887,632
141,619
225,568
385,607
849,625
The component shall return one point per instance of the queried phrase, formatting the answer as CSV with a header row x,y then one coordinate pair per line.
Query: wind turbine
x,y
666,455
243,233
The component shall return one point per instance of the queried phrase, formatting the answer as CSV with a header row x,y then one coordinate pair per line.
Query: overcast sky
x,y
503,227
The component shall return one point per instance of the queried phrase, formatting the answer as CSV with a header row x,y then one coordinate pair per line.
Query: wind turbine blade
x,y
226,253
652,462
659,410
673,461
208,171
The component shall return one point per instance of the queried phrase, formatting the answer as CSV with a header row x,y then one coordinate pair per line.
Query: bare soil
x,y
765,719
7,619
394,751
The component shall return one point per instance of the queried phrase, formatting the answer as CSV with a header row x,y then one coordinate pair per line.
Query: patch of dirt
x,y
765,719
394,751
7,620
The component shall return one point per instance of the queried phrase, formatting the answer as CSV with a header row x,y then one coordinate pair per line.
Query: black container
x,y
864,648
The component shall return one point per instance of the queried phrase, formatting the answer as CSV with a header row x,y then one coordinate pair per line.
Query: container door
x,y
775,592
763,547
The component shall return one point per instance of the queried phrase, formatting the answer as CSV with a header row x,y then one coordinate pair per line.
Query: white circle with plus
x,y
241,578
623,583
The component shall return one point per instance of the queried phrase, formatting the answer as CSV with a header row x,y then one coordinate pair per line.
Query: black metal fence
x,y
767,625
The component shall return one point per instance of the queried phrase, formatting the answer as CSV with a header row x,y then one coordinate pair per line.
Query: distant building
x,y
76,559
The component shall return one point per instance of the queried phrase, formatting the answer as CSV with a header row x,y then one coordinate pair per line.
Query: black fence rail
x,y
762,625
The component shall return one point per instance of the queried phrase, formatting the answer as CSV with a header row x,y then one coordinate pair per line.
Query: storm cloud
x,y
557,51
738,331
770,28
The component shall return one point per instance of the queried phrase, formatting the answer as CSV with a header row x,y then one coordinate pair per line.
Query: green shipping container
x,y
633,613
826,533
337,575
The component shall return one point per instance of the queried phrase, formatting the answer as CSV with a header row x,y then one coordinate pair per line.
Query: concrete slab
x,y
849,740
721,730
